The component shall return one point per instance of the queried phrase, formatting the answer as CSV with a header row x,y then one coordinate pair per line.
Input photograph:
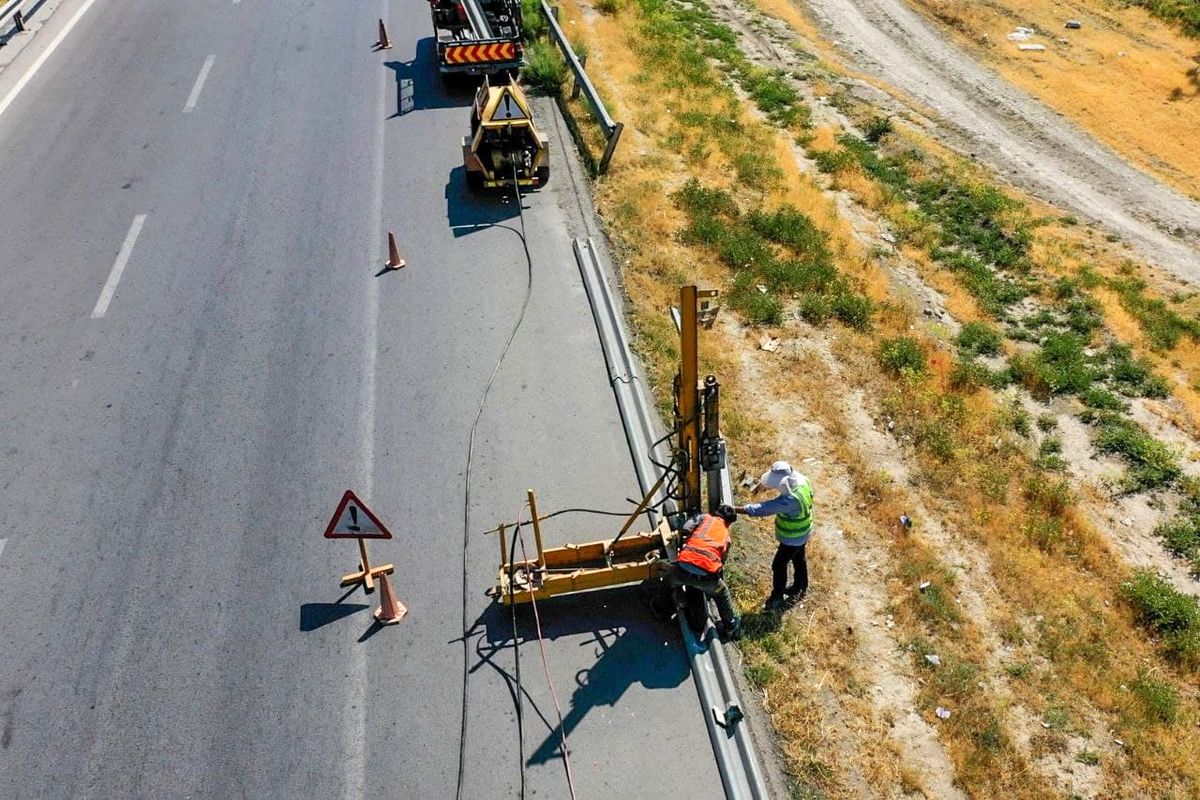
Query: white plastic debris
x,y
924,585
942,713
933,659
1127,522
1036,48
761,289
768,344
1020,35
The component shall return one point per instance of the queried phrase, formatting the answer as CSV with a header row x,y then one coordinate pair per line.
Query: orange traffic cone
x,y
394,260
390,609
383,43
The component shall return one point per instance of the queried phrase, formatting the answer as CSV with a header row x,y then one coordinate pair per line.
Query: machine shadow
x,y
420,87
626,641
468,211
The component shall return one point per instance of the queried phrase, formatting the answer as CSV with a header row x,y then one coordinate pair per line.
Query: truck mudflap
x,y
476,58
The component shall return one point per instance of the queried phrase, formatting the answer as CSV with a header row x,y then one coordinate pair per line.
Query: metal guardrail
x,y
13,9
737,760
612,129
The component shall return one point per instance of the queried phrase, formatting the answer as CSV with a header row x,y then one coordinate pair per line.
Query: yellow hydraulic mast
x,y
688,422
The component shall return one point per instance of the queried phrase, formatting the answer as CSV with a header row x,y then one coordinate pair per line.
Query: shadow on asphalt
x,y
625,640
420,87
318,615
468,211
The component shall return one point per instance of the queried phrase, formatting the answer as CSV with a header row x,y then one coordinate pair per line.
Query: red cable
x,y
537,619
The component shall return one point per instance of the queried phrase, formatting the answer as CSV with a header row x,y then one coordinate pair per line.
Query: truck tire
x,y
695,609
543,175
475,181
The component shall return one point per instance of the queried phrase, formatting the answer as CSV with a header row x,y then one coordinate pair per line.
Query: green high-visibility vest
x,y
795,530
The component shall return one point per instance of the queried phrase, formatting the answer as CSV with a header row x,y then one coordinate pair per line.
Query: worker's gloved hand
x,y
727,513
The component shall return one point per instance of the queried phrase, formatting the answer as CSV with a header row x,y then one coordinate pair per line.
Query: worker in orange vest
x,y
701,564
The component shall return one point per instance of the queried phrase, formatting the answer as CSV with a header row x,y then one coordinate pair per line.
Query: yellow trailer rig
x,y
504,146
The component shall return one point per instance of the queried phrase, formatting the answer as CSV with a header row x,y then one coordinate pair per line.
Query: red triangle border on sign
x,y
384,533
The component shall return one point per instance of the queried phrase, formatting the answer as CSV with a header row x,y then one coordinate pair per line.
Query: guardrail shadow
x,y
468,211
420,87
626,641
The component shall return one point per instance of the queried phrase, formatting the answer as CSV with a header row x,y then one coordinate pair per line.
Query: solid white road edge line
x,y
2,543
199,85
114,277
50,48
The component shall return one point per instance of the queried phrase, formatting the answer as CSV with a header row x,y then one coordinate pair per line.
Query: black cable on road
x,y
487,389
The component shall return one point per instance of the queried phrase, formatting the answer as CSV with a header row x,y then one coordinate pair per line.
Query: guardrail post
x,y
575,83
19,21
613,138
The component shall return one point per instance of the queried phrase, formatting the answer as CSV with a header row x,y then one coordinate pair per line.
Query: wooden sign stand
x,y
366,574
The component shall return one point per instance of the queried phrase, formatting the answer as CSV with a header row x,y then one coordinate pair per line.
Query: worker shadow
x,y
420,87
468,211
627,650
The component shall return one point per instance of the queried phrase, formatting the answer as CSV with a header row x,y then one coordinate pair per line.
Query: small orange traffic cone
x,y
383,43
394,260
390,610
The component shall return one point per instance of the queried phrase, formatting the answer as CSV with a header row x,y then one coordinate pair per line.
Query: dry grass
x,y
1144,104
1051,606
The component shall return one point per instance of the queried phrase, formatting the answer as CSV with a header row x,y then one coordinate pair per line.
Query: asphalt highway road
x,y
197,356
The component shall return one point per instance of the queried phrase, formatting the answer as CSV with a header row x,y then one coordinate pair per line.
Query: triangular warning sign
x,y
353,520
507,108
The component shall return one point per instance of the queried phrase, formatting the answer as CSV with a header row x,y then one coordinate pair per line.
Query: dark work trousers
x,y
712,585
794,555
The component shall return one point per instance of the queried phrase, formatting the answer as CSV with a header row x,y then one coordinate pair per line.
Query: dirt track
x,y
1031,146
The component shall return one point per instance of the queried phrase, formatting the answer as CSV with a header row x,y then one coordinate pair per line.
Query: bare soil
x,y
1033,147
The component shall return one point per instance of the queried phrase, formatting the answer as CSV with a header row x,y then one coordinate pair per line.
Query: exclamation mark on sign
x,y
354,519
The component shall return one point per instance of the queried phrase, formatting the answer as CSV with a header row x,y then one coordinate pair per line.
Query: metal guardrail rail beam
x,y
737,760
612,129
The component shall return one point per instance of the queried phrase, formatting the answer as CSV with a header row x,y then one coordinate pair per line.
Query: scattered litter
x,y
1119,742
888,237
810,460
905,521
1046,725
1074,24
1063,41
942,713
841,532
1127,522
890,623
924,585
1121,54
933,659
891,426
768,344
747,480
1036,48
761,289
1020,35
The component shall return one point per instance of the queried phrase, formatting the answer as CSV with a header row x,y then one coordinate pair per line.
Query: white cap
x,y
781,477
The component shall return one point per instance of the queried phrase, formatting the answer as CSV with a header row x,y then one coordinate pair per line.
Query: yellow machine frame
x,y
639,556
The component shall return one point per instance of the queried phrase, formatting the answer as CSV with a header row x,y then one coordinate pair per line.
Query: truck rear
x,y
478,37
